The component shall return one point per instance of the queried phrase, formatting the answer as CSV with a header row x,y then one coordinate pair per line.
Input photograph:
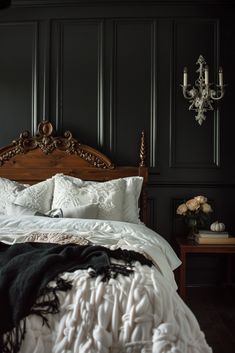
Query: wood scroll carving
x,y
45,141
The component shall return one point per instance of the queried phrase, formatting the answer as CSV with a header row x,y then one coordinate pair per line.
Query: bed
x,y
116,290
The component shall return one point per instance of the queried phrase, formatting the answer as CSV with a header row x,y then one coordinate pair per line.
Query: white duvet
x,y
139,313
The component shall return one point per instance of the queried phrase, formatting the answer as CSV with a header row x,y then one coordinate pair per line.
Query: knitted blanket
x,y
27,268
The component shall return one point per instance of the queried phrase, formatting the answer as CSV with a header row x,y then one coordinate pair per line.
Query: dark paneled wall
x,y
106,70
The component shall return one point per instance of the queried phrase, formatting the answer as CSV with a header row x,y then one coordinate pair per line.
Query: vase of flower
x,y
195,212
192,224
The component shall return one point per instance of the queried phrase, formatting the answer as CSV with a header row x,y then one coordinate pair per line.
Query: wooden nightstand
x,y
189,246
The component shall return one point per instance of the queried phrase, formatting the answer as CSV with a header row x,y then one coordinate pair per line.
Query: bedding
x,y
118,199
141,312
37,197
72,192
88,211
71,197
9,190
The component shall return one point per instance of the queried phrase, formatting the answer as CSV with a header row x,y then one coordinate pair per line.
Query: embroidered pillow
x,y
8,191
73,192
37,197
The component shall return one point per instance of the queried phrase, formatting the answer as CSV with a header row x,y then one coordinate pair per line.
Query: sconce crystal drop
x,y
202,95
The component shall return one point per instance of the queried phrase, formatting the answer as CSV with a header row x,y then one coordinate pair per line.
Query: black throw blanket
x,y
27,268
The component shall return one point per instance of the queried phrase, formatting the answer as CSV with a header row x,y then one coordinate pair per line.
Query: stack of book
x,y
210,237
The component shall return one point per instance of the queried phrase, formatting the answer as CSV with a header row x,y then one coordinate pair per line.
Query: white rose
x,y
193,204
206,208
201,199
182,209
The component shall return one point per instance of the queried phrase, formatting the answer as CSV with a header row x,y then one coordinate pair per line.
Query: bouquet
x,y
195,211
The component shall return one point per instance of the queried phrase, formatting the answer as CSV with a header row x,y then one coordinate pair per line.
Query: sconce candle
x,y
206,75
202,95
185,76
220,76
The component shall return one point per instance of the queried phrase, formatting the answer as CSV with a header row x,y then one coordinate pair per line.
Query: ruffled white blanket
x,y
141,313
136,314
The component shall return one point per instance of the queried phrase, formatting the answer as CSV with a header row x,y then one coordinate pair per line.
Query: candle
x,y
185,76
220,76
206,75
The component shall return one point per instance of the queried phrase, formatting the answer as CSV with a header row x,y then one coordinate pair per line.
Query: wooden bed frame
x,y
31,159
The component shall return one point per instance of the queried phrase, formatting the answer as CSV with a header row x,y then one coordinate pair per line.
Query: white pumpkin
x,y
217,226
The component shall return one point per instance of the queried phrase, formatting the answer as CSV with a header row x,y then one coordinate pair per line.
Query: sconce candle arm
x,y
220,93
188,94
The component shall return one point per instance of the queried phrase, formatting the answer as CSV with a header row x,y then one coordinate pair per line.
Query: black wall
x,y
108,69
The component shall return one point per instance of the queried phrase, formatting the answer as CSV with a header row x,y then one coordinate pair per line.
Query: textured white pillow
x,y
89,211
130,206
17,210
131,199
8,191
37,197
73,192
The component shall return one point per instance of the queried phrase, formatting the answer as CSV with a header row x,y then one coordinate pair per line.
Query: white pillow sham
x,y
17,210
89,211
130,200
73,192
8,191
37,197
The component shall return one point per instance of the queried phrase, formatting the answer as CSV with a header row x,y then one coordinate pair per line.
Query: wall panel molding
x,y
35,73
149,119
174,143
36,3
192,184
153,103
100,103
60,27
152,212
28,31
112,100
46,98
59,76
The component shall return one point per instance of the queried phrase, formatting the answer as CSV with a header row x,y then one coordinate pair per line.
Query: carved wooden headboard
x,y
30,159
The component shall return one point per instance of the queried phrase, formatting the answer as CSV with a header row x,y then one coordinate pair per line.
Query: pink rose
x,y
201,199
206,208
182,209
193,204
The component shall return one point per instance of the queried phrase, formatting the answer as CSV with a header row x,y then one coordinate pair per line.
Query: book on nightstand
x,y
203,240
211,234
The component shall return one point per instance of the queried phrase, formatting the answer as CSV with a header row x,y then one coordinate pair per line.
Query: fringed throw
x,y
27,268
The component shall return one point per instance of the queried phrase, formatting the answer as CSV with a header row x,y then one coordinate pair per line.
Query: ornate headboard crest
x,y
45,141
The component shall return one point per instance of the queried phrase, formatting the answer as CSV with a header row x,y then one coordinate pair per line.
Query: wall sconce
x,y
201,97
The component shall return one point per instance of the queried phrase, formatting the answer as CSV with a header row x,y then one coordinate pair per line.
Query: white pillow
x,y
131,199
73,192
89,211
130,206
17,210
8,191
37,197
